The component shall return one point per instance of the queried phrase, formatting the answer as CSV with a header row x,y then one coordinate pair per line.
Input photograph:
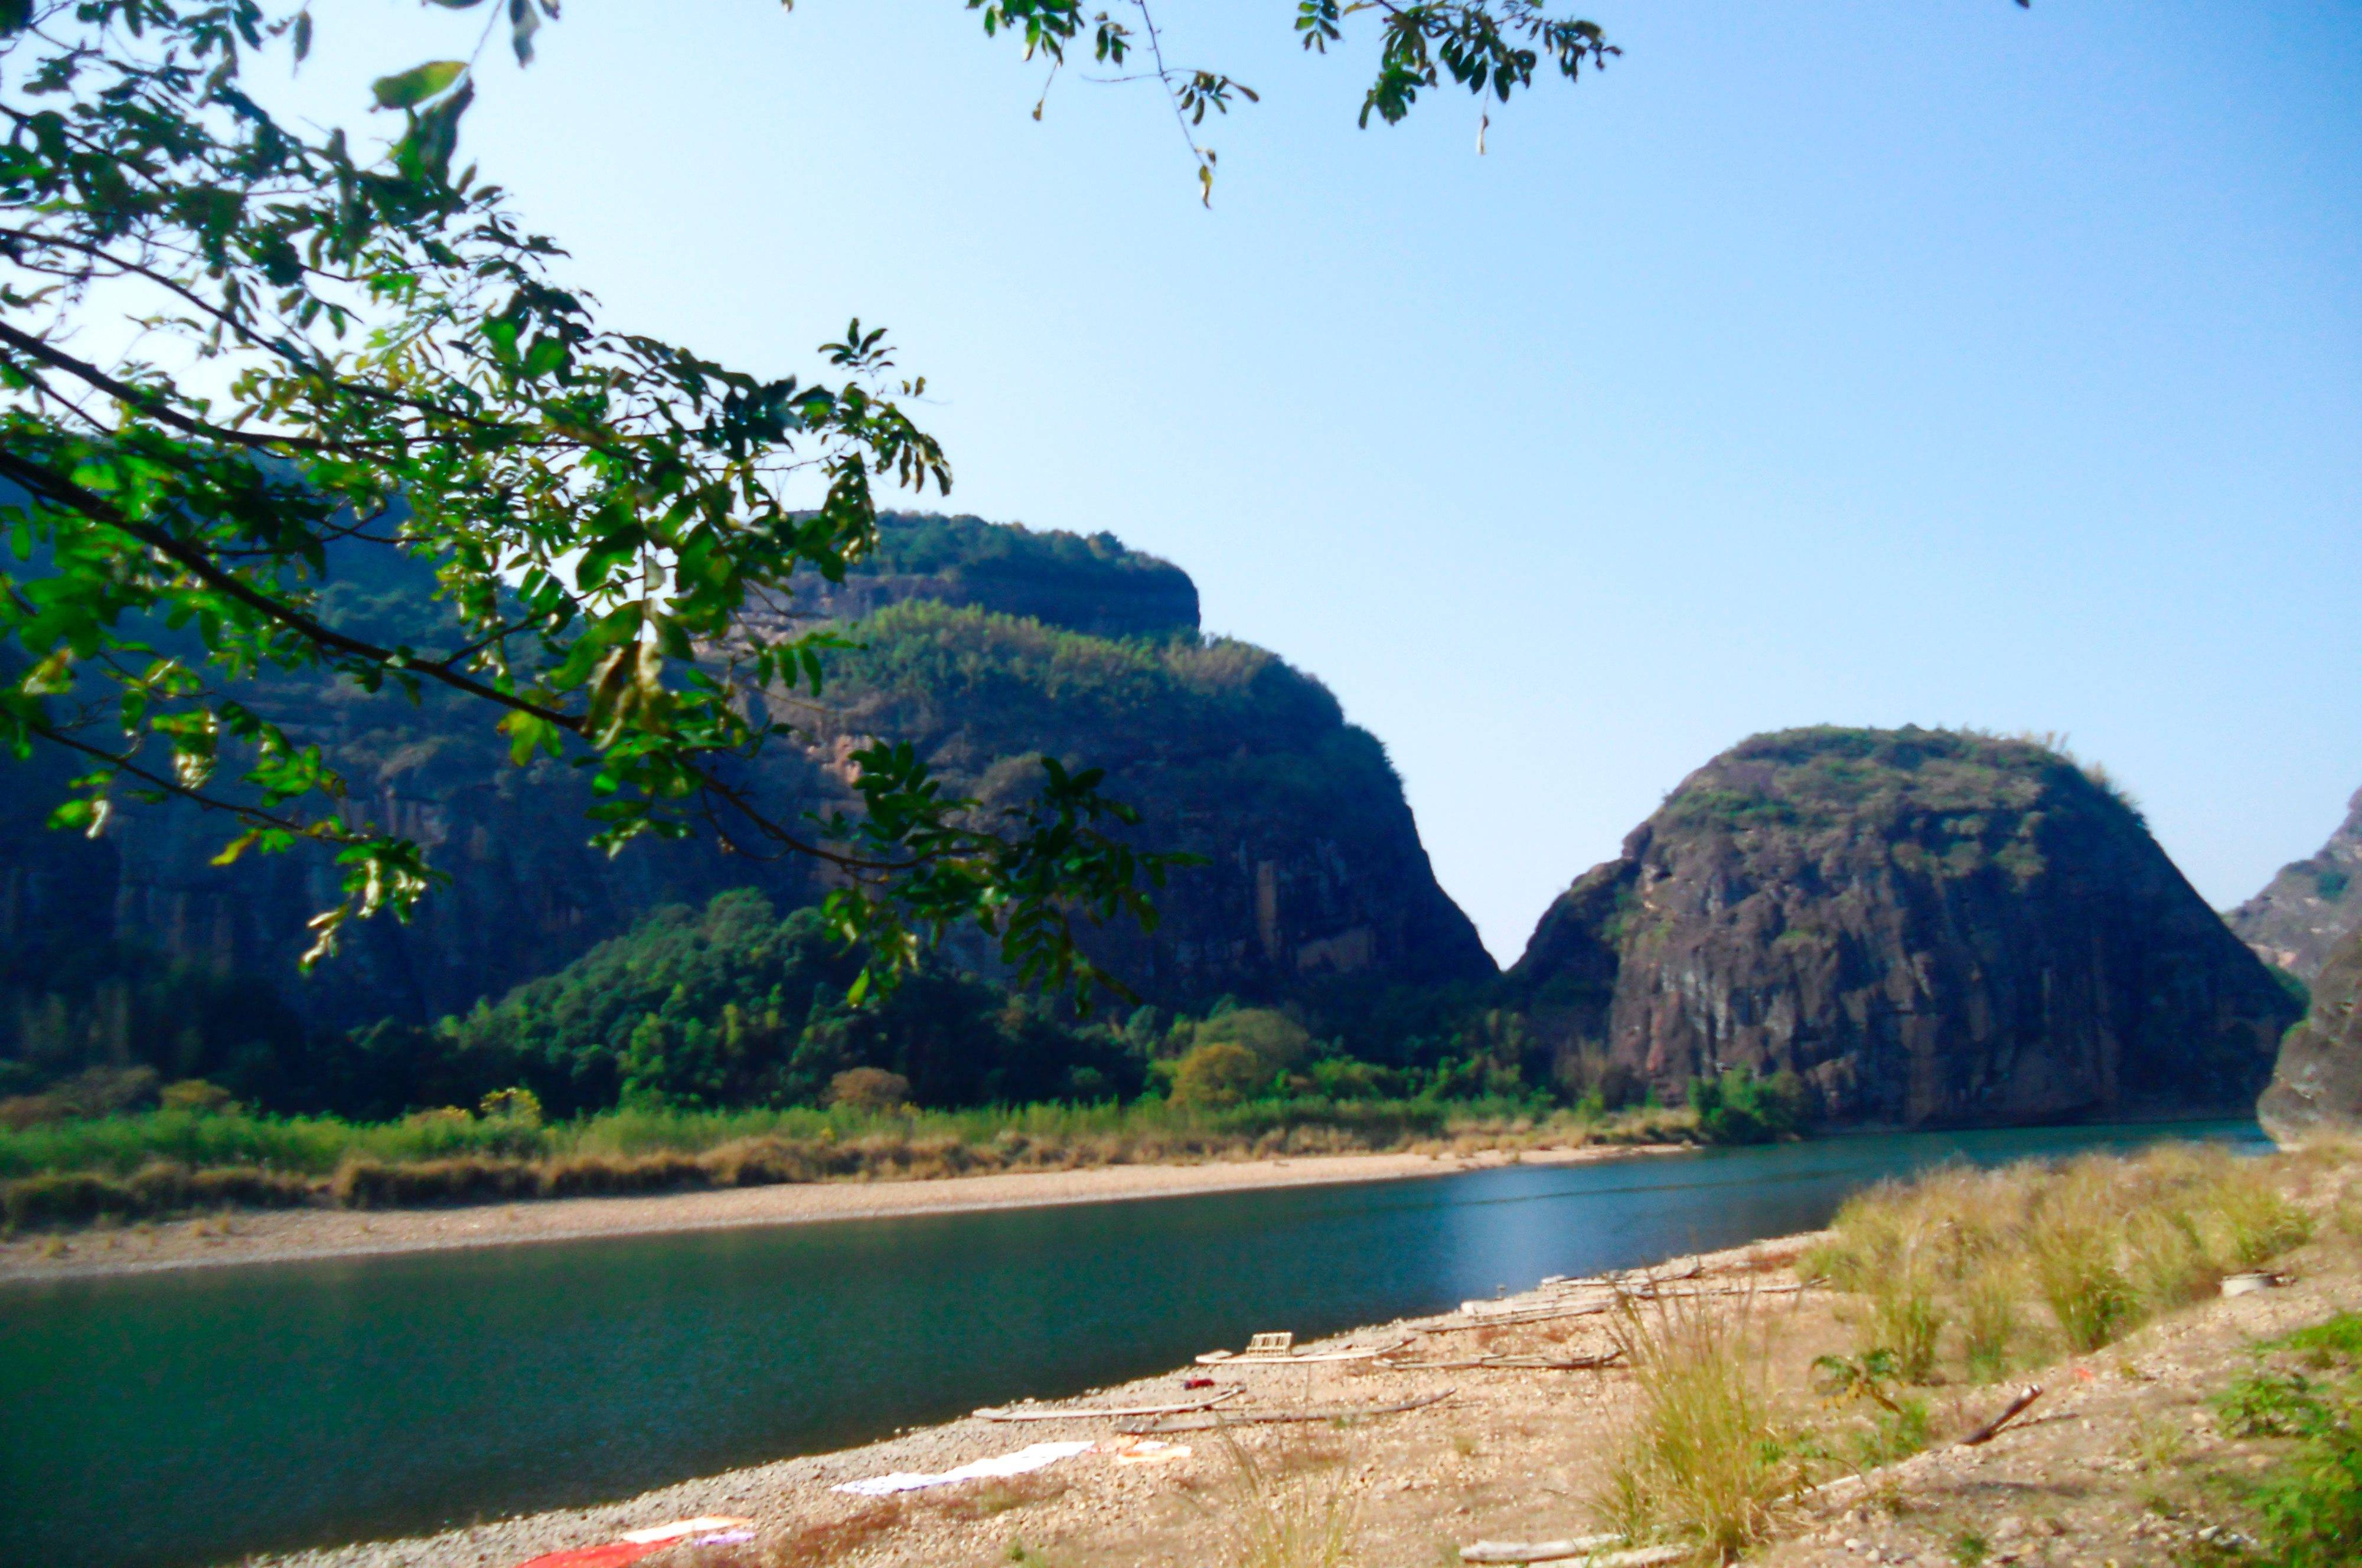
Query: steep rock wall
x,y
2316,1089
1927,928
2311,906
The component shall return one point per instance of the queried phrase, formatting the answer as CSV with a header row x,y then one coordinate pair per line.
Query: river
x,y
170,1419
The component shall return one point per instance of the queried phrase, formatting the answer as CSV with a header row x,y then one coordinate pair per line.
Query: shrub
x,y
1741,1107
368,1184
197,1098
597,1175
63,1198
20,1112
869,1088
521,1106
1218,1074
1276,1040
162,1187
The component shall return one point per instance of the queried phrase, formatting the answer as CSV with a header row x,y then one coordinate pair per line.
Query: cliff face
x,y
1317,868
2316,1089
1926,927
2311,906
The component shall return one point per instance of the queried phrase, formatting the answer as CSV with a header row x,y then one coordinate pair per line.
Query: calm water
x,y
193,1418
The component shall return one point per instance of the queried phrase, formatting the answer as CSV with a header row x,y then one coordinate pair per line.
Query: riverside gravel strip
x,y
290,1235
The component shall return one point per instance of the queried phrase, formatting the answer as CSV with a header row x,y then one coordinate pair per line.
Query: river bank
x,y
2121,1458
291,1235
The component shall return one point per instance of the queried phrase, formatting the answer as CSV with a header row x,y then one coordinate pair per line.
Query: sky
x,y
1826,362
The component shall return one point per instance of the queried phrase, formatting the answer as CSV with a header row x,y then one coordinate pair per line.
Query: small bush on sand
x,y
1708,1458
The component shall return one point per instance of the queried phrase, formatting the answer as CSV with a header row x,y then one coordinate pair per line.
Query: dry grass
x,y
2103,1243
1707,1456
1291,1507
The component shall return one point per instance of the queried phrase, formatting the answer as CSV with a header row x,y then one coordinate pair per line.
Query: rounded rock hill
x,y
1924,927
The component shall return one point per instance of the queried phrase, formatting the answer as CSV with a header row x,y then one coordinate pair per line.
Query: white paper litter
x,y
1018,1464
679,1527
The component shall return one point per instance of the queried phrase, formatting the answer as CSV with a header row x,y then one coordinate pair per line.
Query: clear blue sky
x,y
1822,361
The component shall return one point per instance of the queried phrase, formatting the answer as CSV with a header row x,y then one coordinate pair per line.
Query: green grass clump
x,y
1706,1458
2309,1504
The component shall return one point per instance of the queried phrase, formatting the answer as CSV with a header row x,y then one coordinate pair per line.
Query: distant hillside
x,y
1924,927
1317,870
2311,906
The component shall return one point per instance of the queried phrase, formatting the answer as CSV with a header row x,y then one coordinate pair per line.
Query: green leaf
x,y
417,84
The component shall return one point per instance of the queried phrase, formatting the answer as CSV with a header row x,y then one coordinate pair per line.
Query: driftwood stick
x,y
1510,1319
1535,1551
1294,1358
1076,1413
1585,1546
2026,1396
1481,1318
1260,1418
1983,1434
1510,1362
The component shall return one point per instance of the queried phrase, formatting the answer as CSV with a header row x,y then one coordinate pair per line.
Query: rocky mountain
x,y
1924,927
1092,585
2311,906
983,644
1314,868
2316,1089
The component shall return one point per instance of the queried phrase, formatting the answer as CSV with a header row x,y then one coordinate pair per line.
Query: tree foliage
x,y
340,345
